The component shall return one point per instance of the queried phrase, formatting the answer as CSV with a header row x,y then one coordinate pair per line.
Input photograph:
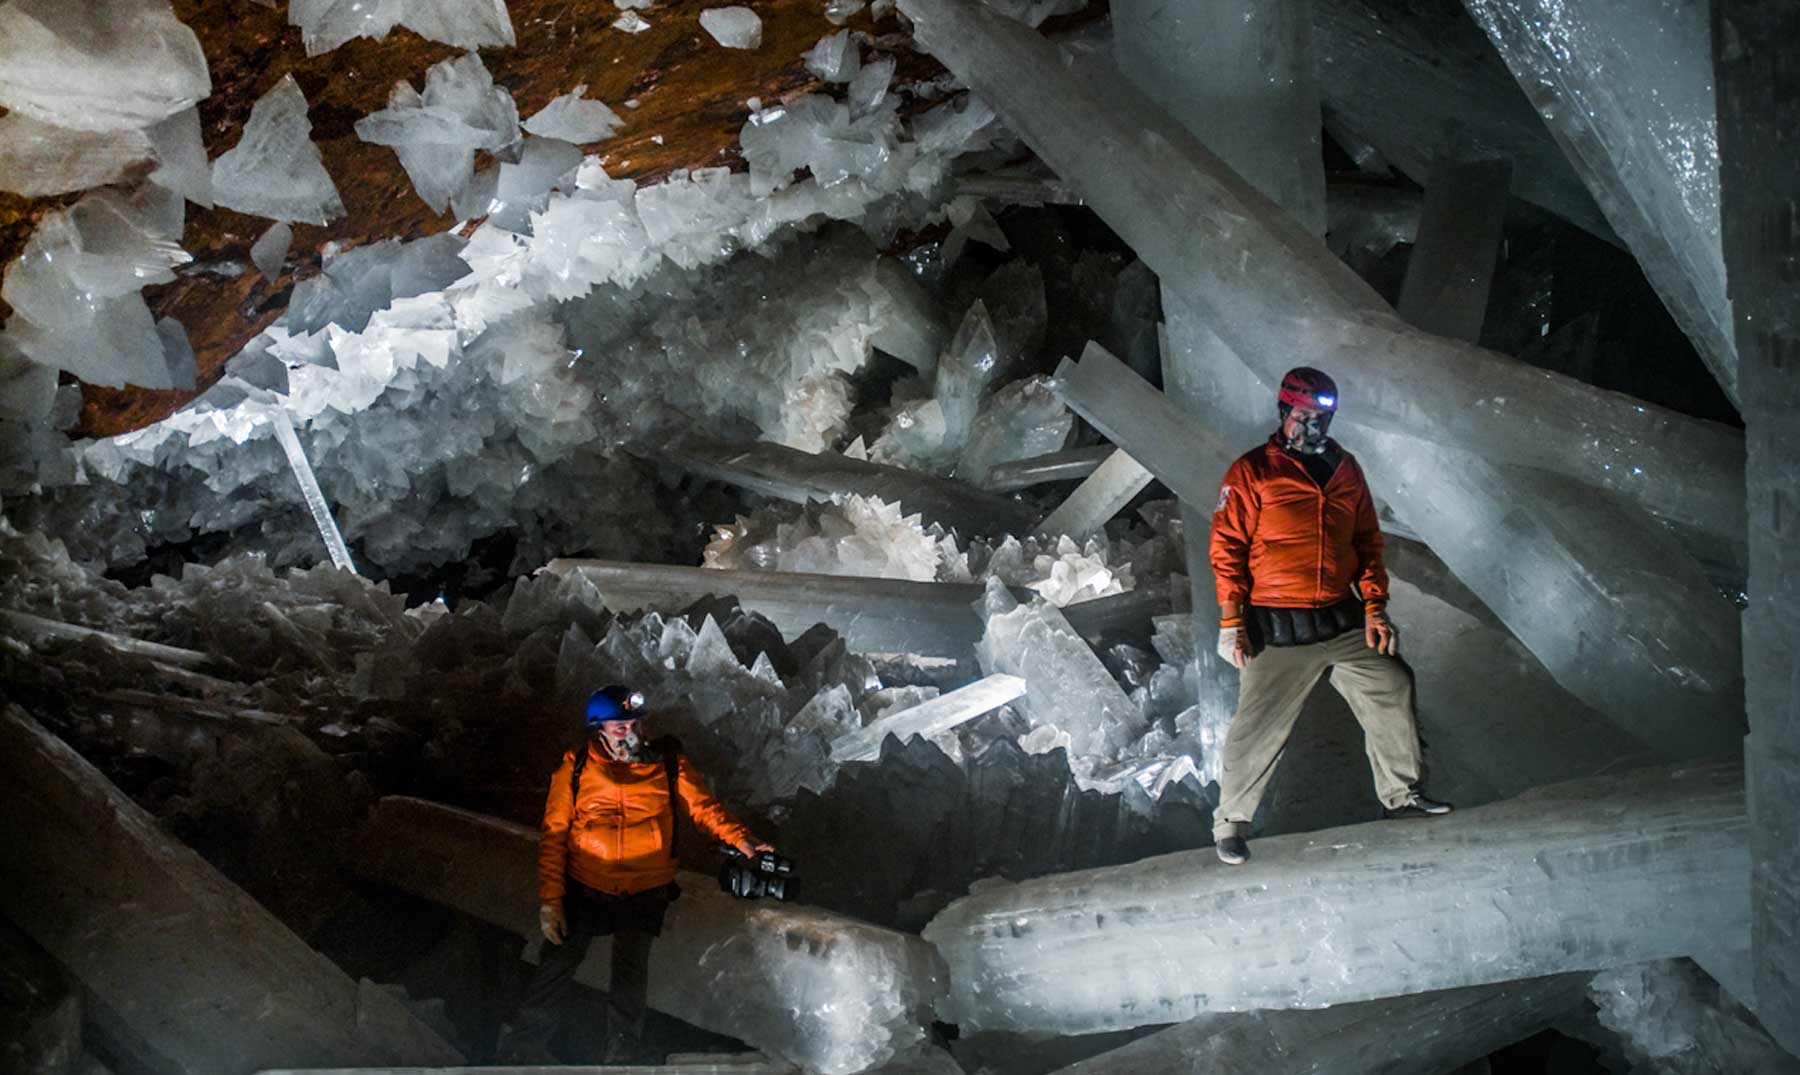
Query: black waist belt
x,y
1303,626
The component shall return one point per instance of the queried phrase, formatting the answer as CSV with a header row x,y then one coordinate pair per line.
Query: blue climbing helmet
x,y
614,702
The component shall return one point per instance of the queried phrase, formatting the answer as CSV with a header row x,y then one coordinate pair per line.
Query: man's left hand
x,y
1381,634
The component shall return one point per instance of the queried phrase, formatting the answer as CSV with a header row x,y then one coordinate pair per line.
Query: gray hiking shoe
x,y
1234,850
1417,805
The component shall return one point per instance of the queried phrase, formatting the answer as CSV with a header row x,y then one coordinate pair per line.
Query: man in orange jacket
x,y
1296,557
606,866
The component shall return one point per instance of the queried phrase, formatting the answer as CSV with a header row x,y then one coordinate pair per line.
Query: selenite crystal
x,y
1426,1034
836,58
466,24
1628,92
102,65
436,133
269,252
183,961
1278,297
573,118
182,165
1641,865
733,27
75,291
274,170
1676,1021
38,159
1071,699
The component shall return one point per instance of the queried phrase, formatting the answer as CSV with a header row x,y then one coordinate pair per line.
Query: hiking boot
x,y
1417,805
1234,850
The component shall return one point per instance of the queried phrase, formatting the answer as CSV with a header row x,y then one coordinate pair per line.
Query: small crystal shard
x,y
274,171
183,167
632,23
575,119
733,27
269,253
836,58
436,133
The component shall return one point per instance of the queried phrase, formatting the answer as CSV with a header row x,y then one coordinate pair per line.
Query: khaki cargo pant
x,y
1272,689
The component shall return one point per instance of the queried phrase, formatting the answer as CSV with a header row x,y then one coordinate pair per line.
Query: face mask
x,y
1308,436
630,748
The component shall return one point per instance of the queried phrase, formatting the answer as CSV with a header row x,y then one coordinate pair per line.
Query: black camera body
x,y
756,876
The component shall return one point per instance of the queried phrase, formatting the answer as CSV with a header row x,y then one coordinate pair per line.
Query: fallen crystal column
x,y
932,619
826,992
790,474
1099,497
927,719
1594,873
1627,89
184,964
1440,1030
283,427
1071,463
1277,297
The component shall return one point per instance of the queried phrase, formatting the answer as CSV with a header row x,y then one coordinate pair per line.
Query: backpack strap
x,y
670,749
581,757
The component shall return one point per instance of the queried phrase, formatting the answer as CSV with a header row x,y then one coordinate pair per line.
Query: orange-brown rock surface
x,y
690,95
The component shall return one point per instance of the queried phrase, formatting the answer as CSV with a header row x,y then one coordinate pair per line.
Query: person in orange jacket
x,y
606,866
1297,560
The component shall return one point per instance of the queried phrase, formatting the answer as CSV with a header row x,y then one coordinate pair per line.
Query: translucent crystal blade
x,y
275,171
316,503
104,65
1589,874
941,714
1445,291
1099,497
1627,89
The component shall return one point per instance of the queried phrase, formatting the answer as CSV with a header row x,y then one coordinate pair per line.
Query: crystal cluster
x,y
436,133
466,24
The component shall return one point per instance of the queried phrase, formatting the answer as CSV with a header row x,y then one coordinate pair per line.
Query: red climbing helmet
x,y
1304,386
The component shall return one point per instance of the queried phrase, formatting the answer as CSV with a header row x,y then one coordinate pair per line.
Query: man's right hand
x,y
1234,646
552,922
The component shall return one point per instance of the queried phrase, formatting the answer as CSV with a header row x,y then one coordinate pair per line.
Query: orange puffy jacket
x,y
1280,541
618,838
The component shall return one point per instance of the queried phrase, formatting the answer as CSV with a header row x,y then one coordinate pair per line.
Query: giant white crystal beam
x,y
1593,873
1423,83
1759,111
39,629
1066,465
1254,56
282,425
1452,264
793,475
1099,497
1627,89
927,719
1634,629
184,964
1426,1034
932,619
1278,297
815,988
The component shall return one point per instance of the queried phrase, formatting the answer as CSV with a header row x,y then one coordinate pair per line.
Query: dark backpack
x,y
670,749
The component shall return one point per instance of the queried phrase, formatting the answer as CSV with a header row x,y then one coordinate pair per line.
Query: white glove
x,y
552,923
1229,646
